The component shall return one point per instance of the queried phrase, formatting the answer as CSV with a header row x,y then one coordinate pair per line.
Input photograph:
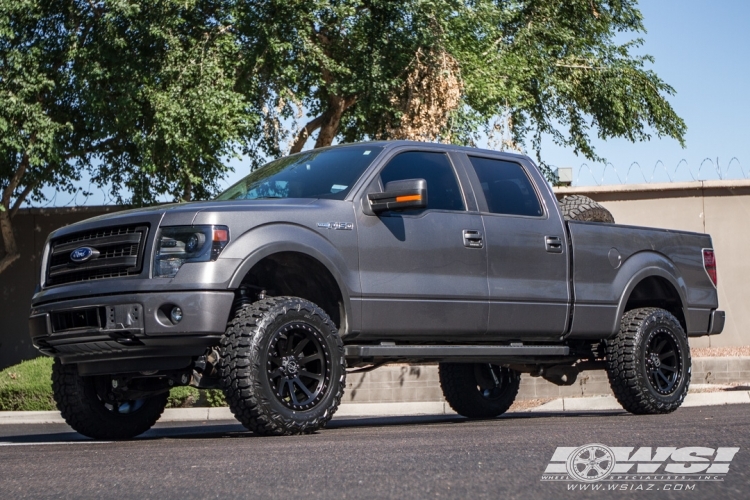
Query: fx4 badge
x,y
343,226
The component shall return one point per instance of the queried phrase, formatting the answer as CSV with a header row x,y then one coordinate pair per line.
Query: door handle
x,y
473,239
553,244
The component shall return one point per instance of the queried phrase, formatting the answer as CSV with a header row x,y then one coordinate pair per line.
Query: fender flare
x,y
648,264
274,238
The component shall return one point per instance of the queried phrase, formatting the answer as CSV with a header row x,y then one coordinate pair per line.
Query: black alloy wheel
x,y
479,390
648,362
88,405
663,361
298,365
282,366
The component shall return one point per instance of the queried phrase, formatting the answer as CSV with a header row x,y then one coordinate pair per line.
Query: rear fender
x,y
640,266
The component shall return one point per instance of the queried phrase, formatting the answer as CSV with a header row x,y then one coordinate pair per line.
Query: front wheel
x,y
86,407
478,390
282,366
648,362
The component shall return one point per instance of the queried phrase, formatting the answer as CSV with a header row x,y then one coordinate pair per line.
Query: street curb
x,y
394,409
610,403
224,414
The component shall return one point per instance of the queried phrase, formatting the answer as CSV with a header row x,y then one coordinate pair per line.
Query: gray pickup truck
x,y
358,255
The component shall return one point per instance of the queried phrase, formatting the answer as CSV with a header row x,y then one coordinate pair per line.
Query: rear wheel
x,y
478,390
86,407
282,366
648,362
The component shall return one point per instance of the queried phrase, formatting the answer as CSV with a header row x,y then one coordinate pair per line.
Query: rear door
x,y
526,250
421,279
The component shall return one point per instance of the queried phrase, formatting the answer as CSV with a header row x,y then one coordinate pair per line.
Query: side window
x,y
506,187
443,192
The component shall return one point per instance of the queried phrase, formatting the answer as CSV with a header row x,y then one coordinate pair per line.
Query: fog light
x,y
175,314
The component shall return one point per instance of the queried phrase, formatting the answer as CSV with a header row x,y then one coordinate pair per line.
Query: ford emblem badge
x,y
83,254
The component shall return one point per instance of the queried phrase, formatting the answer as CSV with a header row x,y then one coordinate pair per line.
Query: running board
x,y
452,351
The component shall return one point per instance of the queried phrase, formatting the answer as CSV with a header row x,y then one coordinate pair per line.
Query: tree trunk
x,y
328,123
7,211
9,241
308,129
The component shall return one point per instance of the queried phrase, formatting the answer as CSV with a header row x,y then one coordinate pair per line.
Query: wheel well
x,y
298,275
656,291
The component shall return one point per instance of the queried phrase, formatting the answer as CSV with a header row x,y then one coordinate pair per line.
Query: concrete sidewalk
x,y
572,404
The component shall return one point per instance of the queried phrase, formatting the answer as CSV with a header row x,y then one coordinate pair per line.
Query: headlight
x,y
180,244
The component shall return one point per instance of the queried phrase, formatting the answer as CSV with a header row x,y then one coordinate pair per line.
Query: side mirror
x,y
400,195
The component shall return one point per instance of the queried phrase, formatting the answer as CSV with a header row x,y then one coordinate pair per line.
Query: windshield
x,y
327,174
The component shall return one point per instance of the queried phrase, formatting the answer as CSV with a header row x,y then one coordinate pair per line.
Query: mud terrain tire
x,y
583,208
282,366
88,413
478,390
648,362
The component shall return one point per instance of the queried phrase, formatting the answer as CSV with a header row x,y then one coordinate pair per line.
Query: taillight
x,y
709,263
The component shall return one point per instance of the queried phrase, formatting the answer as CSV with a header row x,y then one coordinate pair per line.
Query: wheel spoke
x,y
667,355
278,372
292,392
275,360
312,357
660,346
303,373
666,380
304,388
599,468
300,347
668,368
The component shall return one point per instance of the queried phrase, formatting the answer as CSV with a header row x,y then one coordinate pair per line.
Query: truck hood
x,y
182,213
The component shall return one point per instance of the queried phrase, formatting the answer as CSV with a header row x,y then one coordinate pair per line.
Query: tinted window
x,y
443,192
328,173
506,187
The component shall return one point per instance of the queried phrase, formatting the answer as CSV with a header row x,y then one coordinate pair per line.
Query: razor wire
x,y
635,173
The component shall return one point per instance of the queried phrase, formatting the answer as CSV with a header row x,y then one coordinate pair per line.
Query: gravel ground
x,y
720,352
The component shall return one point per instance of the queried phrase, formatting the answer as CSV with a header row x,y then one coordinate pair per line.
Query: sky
x,y
702,49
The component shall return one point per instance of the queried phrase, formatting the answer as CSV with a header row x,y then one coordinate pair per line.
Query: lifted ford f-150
x,y
355,256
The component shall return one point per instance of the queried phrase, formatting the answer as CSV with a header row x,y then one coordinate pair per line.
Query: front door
x,y
421,279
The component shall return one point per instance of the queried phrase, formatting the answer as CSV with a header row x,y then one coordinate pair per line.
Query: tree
x,y
450,70
140,95
151,97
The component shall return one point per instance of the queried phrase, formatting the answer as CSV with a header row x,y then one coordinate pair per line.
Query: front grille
x,y
117,252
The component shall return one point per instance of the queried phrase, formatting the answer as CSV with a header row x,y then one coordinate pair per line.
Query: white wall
x,y
719,208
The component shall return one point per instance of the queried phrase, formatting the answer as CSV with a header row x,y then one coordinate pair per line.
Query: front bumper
x,y
130,326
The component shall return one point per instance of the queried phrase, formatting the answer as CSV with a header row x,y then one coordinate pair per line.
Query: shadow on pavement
x,y
230,429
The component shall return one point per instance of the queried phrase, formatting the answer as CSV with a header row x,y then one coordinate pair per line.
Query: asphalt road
x,y
404,457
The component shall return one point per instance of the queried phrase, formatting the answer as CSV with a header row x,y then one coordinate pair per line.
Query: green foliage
x,y
214,398
528,68
190,397
183,397
141,96
153,97
27,386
